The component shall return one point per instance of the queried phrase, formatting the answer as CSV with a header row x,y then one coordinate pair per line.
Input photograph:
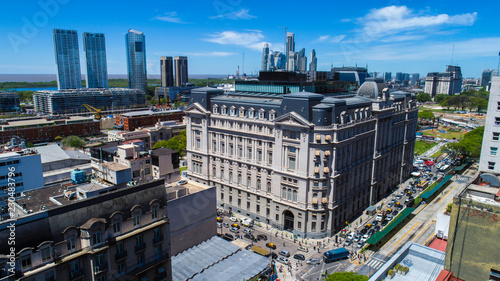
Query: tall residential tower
x,y
67,56
94,50
313,66
167,71
136,59
265,58
181,71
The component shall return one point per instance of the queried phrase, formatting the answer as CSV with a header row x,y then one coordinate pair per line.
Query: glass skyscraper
x,y
94,49
136,59
67,56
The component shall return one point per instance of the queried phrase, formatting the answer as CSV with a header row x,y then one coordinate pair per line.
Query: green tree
x,y
470,144
30,144
426,114
439,98
148,97
346,276
445,102
177,143
150,91
72,141
424,97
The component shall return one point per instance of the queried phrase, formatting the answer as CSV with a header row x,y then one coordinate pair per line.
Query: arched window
x,y
214,171
295,196
239,178
230,176
283,193
289,195
258,184
249,181
268,187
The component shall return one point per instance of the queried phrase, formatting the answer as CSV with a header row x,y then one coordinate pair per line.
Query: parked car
x,y
379,217
282,260
234,229
228,237
261,237
389,217
357,238
219,225
390,204
285,253
246,230
363,231
299,257
347,242
384,223
351,235
235,219
182,182
225,224
360,244
313,261
395,213
365,237
250,236
376,228
399,196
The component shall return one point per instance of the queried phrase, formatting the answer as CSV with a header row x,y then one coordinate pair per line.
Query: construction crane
x,y
97,112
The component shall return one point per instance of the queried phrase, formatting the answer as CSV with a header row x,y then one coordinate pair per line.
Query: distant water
x,y
33,89
52,77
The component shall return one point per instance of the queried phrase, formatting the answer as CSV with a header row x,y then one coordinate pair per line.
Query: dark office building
x,y
167,71
181,71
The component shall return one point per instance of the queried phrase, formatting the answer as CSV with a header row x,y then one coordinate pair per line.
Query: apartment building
x,y
120,235
302,162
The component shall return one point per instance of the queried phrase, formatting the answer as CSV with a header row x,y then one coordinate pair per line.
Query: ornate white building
x,y
303,162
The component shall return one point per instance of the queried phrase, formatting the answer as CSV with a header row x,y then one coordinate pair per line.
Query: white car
x,y
313,261
351,235
233,219
246,230
365,237
357,238
379,218
360,244
282,260
234,229
389,217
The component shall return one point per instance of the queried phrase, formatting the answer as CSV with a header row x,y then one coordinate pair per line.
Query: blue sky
x,y
409,36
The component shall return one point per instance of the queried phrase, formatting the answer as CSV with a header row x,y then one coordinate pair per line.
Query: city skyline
x,y
423,36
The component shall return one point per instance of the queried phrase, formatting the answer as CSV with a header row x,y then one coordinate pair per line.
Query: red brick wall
x,y
49,133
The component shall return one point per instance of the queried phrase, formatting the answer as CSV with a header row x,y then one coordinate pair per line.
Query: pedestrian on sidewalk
x,y
283,244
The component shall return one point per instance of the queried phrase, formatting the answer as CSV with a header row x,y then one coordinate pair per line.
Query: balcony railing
x,y
120,256
157,240
75,275
100,268
140,247
161,276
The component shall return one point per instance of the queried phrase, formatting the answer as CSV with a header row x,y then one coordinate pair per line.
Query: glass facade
x,y
67,56
94,49
136,59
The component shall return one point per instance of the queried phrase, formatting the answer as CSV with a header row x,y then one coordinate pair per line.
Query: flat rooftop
x,y
93,186
114,166
217,259
35,200
424,263
148,112
483,194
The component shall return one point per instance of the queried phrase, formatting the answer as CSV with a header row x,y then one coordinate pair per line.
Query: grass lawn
x,y
436,110
423,146
449,135
436,155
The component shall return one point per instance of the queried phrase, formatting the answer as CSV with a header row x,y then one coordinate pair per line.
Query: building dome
x,y
372,88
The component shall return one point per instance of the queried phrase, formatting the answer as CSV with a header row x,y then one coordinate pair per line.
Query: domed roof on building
x,y
372,88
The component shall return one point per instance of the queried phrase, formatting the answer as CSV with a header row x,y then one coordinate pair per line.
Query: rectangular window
x,y
496,136
45,254
75,266
99,259
291,163
154,213
71,243
158,251
277,217
239,202
493,151
137,220
140,259
96,238
121,267
26,262
248,205
147,171
497,121
258,208
139,240
313,226
491,165
498,105
299,225
117,227
136,174
119,247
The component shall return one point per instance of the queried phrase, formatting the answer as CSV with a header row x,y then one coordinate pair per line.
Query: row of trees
x,y
177,143
471,99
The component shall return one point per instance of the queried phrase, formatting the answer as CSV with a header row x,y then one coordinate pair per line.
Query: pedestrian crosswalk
x,y
351,267
374,263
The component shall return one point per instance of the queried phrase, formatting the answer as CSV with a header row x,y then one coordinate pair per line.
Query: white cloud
x,y
329,38
473,48
337,39
397,20
236,15
210,54
169,17
251,39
